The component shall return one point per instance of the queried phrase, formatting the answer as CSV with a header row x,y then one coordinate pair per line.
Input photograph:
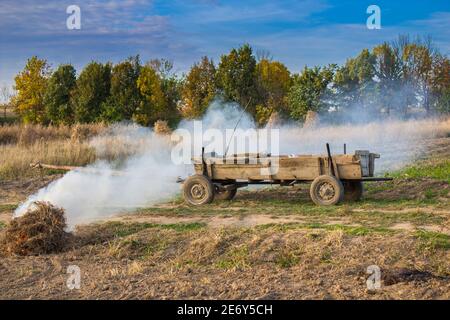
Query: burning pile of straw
x,y
39,231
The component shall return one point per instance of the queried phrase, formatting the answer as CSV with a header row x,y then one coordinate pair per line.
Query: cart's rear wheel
x,y
326,190
225,194
198,190
353,190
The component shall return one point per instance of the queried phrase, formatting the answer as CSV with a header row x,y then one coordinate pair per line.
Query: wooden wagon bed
x,y
334,178
285,168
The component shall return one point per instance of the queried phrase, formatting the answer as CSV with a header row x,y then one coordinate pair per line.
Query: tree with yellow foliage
x,y
153,106
273,83
199,89
31,84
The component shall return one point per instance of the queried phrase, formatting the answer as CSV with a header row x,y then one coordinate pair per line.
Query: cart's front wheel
x,y
326,190
198,190
353,190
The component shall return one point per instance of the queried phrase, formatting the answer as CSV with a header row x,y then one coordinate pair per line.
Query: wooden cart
x,y
333,178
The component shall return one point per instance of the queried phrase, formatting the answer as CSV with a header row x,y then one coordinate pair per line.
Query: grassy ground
x,y
269,243
437,170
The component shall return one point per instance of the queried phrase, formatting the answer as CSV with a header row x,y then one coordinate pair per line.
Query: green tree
x,y
171,86
92,90
153,105
199,89
354,82
273,83
309,91
418,68
31,84
57,96
388,71
440,84
236,77
124,96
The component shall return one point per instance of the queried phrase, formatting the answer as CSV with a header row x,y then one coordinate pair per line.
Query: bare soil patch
x,y
231,263
13,192
410,189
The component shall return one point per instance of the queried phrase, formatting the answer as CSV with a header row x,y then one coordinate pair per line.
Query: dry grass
x,y
15,160
78,145
39,231
236,263
162,127
30,134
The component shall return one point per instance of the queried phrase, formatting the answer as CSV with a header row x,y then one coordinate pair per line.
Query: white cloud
x,y
294,32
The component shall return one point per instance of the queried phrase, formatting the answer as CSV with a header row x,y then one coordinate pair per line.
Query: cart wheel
x,y
353,190
225,195
198,190
326,190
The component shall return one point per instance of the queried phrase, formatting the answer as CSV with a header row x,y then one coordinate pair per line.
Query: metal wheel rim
x,y
198,191
326,191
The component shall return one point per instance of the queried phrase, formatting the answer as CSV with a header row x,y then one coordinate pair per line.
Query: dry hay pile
x,y
274,120
162,127
82,132
39,231
311,119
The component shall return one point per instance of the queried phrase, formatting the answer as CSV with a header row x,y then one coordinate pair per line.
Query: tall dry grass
x,y
78,145
30,134
15,159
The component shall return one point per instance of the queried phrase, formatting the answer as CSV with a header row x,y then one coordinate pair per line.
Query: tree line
x,y
390,78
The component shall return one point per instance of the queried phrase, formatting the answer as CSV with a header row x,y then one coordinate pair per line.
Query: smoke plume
x,y
148,175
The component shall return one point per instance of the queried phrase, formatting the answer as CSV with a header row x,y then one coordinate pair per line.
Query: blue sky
x,y
298,33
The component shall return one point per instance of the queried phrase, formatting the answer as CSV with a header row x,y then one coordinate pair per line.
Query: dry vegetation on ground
x,y
78,145
30,134
21,145
269,243
40,231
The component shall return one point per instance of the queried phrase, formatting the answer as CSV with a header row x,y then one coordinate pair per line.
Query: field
x,y
268,243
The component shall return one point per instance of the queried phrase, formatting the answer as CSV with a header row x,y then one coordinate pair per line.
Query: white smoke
x,y
148,176
101,189
399,142
223,116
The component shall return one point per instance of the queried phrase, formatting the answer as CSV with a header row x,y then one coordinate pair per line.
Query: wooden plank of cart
x,y
333,178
